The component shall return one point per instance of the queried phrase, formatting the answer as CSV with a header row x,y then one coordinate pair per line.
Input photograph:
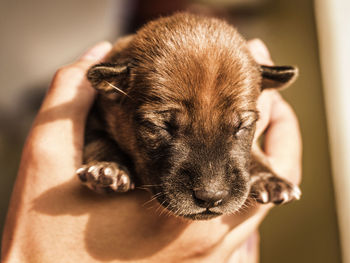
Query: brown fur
x,y
176,111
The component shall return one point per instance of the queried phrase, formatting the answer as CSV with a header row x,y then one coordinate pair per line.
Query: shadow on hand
x,y
119,225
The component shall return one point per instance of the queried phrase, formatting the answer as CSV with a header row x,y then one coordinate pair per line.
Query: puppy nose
x,y
210,198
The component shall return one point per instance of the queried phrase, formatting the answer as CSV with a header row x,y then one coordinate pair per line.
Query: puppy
x,y
176,114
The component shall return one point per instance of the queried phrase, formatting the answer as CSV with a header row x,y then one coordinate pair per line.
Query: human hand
x,y
52,152
282,145
50,213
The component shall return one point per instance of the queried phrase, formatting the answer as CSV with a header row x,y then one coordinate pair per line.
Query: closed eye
x,y
153,126
243,129
158,120
171,127
161,127
247,121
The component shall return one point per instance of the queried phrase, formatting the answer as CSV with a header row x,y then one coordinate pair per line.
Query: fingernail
x,y
97,52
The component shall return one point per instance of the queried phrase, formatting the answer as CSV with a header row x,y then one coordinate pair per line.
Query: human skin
x,y
52,218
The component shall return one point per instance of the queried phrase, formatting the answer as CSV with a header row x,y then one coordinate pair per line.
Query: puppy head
x,y
189,88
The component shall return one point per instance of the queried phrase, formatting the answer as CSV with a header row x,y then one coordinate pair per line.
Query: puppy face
x,y
197,164
186,111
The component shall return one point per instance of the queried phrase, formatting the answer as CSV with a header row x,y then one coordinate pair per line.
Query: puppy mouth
x,y
204,215
200,214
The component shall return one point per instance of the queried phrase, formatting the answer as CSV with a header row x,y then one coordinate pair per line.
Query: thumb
x,y
97,52
58,130
70,84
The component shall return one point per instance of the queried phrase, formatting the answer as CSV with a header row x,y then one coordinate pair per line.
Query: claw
x,y
81,174
80,170
296,192
264,196
285,197
91,169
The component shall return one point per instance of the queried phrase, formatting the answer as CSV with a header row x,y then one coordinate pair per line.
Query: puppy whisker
x,y
117,89
154,197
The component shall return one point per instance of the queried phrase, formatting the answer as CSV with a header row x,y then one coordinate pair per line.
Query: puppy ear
x,y
106,77
112,76
277,76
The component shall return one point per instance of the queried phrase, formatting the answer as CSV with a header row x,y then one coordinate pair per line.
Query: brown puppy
x,y
176,114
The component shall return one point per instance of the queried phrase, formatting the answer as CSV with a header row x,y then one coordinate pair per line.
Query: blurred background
x,y
38,36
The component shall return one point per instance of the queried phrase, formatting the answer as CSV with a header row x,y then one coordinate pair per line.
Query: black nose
x,y
210,198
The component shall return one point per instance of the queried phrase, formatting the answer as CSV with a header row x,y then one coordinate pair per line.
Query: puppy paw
x,y
104,177
268,188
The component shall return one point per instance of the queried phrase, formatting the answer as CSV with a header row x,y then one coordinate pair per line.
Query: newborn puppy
x,y
176,113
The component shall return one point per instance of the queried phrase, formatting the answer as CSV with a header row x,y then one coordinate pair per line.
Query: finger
x,y
70,84
262,56
259,52
264,104
248,251
57,135
282,144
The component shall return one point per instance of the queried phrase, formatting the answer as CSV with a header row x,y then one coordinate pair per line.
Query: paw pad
x,y
105,177
272,189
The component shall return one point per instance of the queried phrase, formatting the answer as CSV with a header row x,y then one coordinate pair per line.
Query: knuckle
x,y
69,71
76,70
